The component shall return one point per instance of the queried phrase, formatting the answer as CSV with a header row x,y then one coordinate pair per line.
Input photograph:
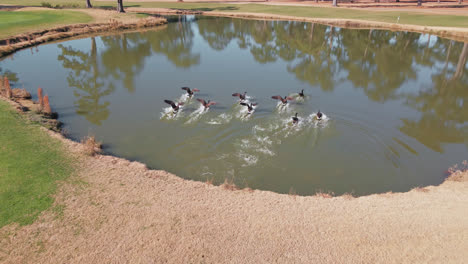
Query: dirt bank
x,y
106,21
116,211
459,34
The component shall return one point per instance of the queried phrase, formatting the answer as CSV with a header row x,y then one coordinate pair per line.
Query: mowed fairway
x,y
406,17
12,22
31,163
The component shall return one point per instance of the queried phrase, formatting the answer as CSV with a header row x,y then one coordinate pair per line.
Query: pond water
x,y
394,102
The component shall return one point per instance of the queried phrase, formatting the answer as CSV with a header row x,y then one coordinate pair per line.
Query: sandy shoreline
x,y
119,211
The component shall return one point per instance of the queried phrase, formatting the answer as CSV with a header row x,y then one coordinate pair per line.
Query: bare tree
x,y
419,2
88,4
120,6
335,2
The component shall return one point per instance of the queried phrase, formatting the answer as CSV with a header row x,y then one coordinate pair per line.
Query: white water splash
x,y
169,114
223,118
197,114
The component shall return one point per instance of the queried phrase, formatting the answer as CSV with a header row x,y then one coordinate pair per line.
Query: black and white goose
x,y
206,104
175,106
250,106
241,96
319,115
190,91
283,100
295,119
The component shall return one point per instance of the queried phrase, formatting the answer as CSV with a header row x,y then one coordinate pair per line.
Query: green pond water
x,y
394,102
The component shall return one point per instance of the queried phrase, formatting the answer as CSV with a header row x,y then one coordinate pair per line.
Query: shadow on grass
x,y
224,8
107,7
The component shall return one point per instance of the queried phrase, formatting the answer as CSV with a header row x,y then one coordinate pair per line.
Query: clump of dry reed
x,y
46,106
92,146
420,189
229,185
7,88
40,97
348,196
209,181
456,172
292,192
322,194
247,188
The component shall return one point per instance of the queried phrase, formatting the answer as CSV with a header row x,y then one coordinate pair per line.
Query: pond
x,y
393,102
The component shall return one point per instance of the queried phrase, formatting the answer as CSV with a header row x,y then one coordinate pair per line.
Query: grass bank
x,y
31,163
406,17
14,22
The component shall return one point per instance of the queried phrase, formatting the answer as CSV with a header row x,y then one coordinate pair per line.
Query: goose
x,y
301,94
249,106
190,91
206,104
175,107
295,119
319,115
241,96
283,100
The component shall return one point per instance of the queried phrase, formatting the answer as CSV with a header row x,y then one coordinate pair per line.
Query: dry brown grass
x,y
323,194
7,87
20,93
209,181
420,189
229,185
40,96
46,108
348,196
292,193
457,172
91,146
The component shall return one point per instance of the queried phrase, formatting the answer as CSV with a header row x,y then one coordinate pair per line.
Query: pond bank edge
x,y
12,44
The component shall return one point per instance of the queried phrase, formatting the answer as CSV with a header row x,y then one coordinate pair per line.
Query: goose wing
x,y
210,104
289,98
185,88
236,94
244,104
277,97
201,101
195,90
171,103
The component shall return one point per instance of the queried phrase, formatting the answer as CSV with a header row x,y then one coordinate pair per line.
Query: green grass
x,y
31,163
12,23
414,18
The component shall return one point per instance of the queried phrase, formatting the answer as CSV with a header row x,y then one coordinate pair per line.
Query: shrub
x,y
47,4
6,85
46,109
92,146
40,97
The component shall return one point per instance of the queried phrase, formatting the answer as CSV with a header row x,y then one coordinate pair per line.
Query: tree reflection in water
x,y
377,62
